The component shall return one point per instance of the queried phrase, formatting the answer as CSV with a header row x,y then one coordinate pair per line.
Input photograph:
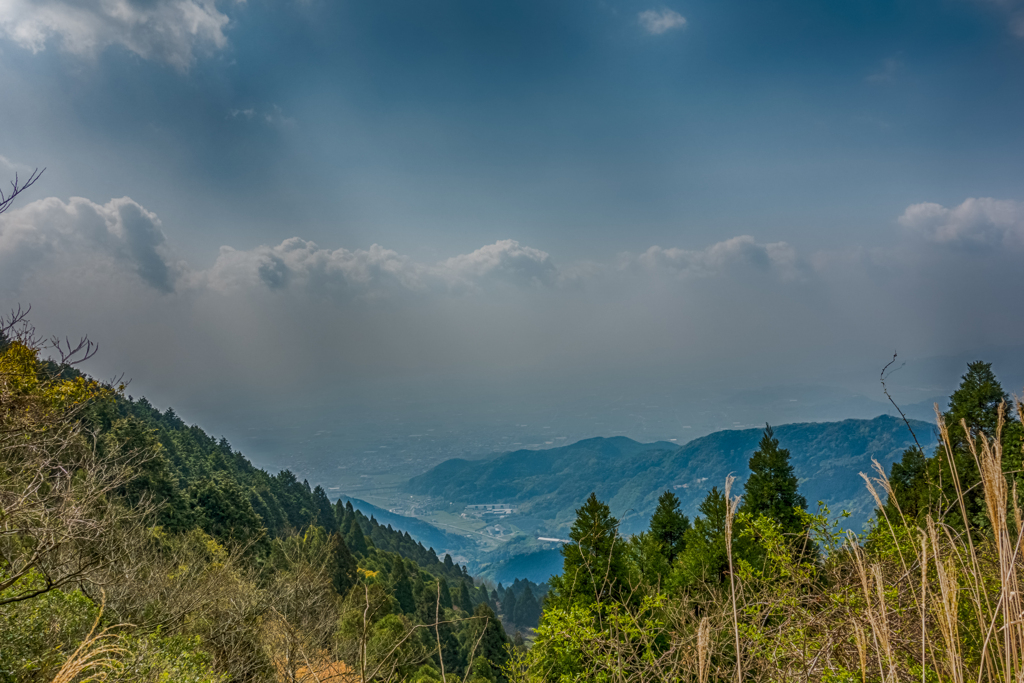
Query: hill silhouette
x,y
550,484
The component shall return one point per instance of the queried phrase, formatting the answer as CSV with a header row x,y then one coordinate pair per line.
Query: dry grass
x,y
926,602
94,657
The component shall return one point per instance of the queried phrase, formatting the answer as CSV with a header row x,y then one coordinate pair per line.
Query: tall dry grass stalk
x,y
730,514
94,657
925,601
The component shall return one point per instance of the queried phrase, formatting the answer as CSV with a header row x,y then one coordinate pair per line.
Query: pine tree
x,y
594,566
926,485
493,641
323,510
446,596
401,588
465,601
669,526
355,539
343,573
704,561
508,604
772,489
527,609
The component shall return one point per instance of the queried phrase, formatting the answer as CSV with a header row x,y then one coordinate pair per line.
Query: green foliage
x,y
669,526
931,485
158,659
704,562
771,488
36,636
630,476
212,569
594,567
343,574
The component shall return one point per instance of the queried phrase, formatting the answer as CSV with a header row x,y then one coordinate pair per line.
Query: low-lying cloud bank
x,y
295,314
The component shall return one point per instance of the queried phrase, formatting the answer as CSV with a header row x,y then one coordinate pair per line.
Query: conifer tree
x,y
508,604
924,485
465,601
341,519
323,510
669,526
401,588
446,595
343,573
493,642
355,539
705,561
772,489
594,566
527,609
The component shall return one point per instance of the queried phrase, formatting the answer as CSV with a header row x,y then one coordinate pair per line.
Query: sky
x,y
330,208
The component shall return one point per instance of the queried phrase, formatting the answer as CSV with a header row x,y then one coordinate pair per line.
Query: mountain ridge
x,y
549,484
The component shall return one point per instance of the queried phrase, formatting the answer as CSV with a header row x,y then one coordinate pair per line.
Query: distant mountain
x,y
427,534
550,484
538,566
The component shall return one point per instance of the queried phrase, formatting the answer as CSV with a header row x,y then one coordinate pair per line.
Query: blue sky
x,y
554,185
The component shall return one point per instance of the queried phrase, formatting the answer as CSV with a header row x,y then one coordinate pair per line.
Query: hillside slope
x,y
550,484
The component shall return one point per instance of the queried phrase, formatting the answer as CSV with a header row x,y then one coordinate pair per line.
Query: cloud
x,y
504,260
373,272
300,264
120,233
163,30
295,320
978,223
661,21
738,253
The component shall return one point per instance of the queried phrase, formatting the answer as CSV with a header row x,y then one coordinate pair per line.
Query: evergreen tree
x,y
527,609
341,519
594,566
493,641
355,539
343,573
704,561
772,489
924,485
465,601
669,526
401,588
221,509
323,511
508,604
446,596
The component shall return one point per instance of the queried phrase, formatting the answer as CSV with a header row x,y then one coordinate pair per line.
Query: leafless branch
x,y
17,187
884,375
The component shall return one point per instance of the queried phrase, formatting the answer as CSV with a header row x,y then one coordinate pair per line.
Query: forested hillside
x,y
135,547
548,484
424,532
761,585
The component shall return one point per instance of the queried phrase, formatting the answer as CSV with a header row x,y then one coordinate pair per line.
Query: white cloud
x,y
297,263
164,30
660,21
504,260
373,272
980,223
742,253
120,232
